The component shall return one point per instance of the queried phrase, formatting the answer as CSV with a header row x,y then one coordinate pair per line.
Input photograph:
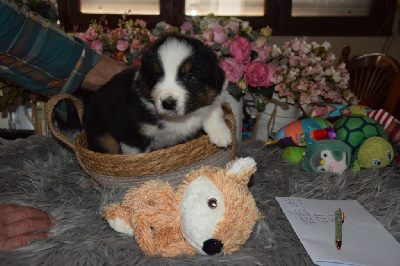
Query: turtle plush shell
x,y
355,129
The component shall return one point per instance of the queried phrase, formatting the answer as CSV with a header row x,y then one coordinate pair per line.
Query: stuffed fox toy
x,y
211,212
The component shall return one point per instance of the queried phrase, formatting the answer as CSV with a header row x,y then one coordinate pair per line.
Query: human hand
x,y
17,224
101,73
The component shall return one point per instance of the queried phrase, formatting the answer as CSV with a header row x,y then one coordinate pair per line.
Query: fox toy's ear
x,y
242,169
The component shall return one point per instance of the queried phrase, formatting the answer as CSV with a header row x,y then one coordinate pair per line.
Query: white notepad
x,y
364,240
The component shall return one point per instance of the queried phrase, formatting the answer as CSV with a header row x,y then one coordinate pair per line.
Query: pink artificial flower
x,y
329,71
307,71
208,34
262,53
330,58
281,87
326,45
220,34
135,45
305,48
127,31
304,60
317,69
122,45
286,45
260,42
303,85
117,33
259,74
187,27
208,23
140,22
277,78
282,69
337,76
91,33
97,45
276,51
240,49
285,92
290,98
233,69
304,98
295,45
294,86
82,36
226,45
233,25
293,60
293,72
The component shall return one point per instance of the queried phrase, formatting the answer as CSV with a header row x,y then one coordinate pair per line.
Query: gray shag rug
x,y
38,171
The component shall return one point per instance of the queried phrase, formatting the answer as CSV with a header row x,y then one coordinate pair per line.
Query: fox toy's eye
x,y
187,76
212,203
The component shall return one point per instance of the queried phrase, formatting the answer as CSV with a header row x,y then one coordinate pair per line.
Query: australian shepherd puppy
x,y
175,93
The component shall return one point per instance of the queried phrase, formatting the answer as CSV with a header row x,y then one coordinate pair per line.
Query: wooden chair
x,y
375,80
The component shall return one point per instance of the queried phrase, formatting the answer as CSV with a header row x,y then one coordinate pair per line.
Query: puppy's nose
x,y
169,103
212,246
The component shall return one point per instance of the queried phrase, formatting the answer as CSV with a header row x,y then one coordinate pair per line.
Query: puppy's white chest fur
x,y
172,132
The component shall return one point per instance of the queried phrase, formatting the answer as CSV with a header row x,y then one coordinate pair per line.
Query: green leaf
x,y
235,91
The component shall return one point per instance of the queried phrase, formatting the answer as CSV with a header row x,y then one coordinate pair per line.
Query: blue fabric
x,y
37,55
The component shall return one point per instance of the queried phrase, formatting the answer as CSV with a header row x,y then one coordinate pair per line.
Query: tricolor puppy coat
x,y
175,93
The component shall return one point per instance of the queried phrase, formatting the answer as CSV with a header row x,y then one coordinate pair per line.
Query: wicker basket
x,y
171,164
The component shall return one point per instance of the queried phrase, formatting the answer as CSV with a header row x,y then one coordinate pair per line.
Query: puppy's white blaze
x,y
171,54
120,226
198,220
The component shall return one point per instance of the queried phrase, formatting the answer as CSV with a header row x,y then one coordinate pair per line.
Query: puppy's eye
x,y
212,203
187,76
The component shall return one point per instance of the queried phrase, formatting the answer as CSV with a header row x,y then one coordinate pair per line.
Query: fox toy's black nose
x,y
169,104
212,246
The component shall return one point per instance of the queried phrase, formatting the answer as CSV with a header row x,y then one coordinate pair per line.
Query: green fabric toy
x,y
293,154
375,152
329,155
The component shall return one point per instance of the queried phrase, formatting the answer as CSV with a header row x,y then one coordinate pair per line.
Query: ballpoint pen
x,y
339,220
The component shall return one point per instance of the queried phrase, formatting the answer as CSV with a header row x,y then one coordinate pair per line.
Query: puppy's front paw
x,y
220,136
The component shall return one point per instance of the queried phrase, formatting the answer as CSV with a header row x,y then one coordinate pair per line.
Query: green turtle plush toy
x,y
375,152
354,129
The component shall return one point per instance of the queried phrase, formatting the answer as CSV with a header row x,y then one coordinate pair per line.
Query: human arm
x,y
37,55
17,224
102,72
